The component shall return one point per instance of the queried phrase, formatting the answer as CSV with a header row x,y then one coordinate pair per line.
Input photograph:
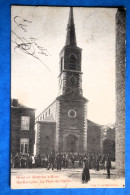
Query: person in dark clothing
x,y
36,161
30,161
63,164
43,161
39,160
85,173
97,163
27,161
103,162
65,160
93,162
73,160
17,161
23,162
58,160
51,161
99,157
80,161
108,166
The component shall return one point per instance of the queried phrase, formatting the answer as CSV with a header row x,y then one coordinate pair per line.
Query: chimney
x,y
15,102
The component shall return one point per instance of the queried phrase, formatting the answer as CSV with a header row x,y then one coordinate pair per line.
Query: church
x,y
63,126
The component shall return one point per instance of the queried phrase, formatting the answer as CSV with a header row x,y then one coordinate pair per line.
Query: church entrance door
x,y
71,143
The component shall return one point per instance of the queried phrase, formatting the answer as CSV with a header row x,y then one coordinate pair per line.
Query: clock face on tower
x,y
72,80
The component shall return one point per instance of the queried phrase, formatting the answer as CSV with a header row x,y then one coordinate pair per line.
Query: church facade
x,y
63,125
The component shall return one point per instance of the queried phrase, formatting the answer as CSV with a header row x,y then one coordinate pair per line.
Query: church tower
x,y
71,120
70,77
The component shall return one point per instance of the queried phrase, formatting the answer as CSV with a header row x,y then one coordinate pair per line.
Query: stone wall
x,y
45,137
72,126
120,90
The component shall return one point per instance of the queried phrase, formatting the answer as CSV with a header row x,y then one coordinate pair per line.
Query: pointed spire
x,y
71,36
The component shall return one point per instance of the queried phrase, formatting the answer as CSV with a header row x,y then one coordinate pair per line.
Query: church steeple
x,y
70,77
71,36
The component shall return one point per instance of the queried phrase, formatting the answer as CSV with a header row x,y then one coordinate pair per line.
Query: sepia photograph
x,y
67,97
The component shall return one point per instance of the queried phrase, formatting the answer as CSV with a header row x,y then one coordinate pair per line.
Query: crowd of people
x,y
66,160
59,161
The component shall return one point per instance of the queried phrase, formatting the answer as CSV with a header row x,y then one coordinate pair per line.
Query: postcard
x,y
67,97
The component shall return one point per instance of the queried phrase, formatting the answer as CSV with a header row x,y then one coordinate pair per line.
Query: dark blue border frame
x,y
5,94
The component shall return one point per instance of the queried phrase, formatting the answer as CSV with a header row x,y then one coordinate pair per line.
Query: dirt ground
x,y
65,178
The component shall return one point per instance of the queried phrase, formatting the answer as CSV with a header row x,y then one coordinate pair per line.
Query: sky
x,y
37,37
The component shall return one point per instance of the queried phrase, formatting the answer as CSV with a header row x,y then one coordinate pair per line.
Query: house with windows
x,y
22,128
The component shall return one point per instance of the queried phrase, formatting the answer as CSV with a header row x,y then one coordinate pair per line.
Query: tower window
x,y
72,64
73,58
62,63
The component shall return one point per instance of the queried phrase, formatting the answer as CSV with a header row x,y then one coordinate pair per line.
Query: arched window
x,y
73,58
62,63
